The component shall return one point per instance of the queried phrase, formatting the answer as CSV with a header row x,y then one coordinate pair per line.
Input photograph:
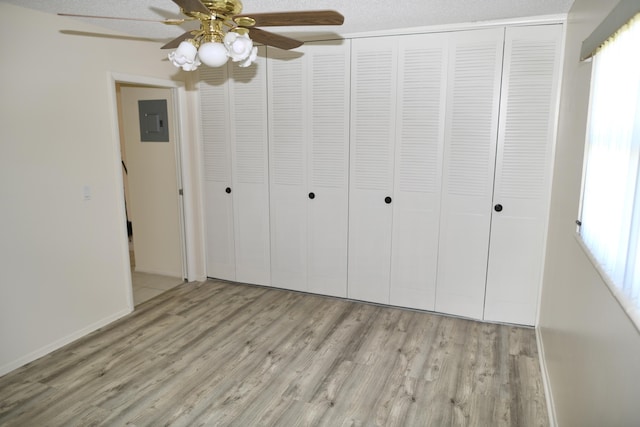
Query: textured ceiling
x,y
360,15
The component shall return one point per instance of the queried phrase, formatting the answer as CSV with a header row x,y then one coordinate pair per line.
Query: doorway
x,y
153,204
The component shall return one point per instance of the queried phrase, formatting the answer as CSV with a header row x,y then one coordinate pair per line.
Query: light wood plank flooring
x,y
216,353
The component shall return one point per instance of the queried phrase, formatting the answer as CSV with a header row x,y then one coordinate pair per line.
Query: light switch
x,y
86,193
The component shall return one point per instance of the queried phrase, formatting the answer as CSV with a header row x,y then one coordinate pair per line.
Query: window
x,y
610,215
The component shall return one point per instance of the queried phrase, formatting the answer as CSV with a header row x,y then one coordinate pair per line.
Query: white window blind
x,y
610,217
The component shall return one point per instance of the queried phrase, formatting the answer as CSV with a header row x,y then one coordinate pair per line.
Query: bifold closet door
x,y
309,140
250,165
288,168
373,116
471,124
233,104
216,154
422,81
523,172
328,75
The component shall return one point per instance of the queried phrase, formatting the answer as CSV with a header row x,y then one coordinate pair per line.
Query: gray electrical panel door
x,y
154,123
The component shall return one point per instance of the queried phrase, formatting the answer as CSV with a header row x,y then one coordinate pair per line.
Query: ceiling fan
x,y
224,32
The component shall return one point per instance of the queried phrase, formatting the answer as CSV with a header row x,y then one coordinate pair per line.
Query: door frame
x,y
187,173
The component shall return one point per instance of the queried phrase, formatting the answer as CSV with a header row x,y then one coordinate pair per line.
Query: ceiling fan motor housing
x,y
226,8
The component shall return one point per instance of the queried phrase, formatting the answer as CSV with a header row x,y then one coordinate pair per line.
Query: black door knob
x,y
498,207
312,196
387,200
227,190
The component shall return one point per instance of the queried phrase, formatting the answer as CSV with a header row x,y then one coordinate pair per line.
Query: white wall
x,y
591,348
64,261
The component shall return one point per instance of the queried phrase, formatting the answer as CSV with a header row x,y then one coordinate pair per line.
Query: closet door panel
x,y
369,259
309,143
288,168
328,166
418,168
462,262
471,124
415,255
216,154
327,253
373,98
248,106
220,232
288,239
523,172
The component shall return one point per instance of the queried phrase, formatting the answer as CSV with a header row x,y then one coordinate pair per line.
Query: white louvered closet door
x,y
217,173
523,172
471,124
328,75
373,100
308,151
288,168
250,190
422,80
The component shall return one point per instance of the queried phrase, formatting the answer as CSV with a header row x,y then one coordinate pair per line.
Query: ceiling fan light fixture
x,y
249,60
213,54
224,33
191,53
238,45
185,56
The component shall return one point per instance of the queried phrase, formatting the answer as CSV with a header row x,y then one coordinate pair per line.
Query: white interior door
x,y
422,85
471,126
373,102
523,172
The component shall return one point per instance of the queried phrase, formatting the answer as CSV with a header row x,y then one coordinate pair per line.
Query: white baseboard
x,y
43,351
551,409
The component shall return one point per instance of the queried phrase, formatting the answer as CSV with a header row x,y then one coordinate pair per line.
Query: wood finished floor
x,y
215,353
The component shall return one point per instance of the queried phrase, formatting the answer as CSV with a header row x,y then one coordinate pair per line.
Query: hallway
x,y
145,285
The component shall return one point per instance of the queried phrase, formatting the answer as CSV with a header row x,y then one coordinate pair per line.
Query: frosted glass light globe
x,y
185,56
238,45
213,54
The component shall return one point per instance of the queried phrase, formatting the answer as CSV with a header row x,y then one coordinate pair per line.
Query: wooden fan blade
x,y
176,42
162,21
193,6
311,17
272,39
